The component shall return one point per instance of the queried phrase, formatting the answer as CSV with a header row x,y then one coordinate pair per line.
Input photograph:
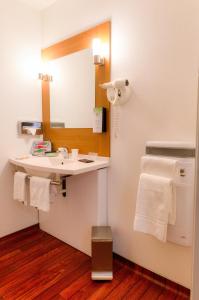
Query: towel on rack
x,y
40,193
19,192
154,205
165,167
160,166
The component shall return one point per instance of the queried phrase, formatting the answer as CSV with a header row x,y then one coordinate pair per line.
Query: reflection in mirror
x,y
72,91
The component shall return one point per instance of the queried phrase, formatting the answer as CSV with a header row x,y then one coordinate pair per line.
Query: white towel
x,y
154,205
19,192
40,193
165,167
160,166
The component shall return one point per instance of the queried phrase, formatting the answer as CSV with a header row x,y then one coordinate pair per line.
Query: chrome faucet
x,y
64,152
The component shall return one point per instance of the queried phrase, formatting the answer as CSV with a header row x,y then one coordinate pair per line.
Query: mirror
x,y
72,91
58,103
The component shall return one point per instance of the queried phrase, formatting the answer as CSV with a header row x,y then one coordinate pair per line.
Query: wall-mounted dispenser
x,y
30,128
118,91
99,119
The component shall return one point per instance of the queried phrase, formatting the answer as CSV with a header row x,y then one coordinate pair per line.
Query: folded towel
x,y
19,192
40,193
160,166
165,167
154,205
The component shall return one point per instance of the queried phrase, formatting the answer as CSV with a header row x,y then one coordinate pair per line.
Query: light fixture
x,y
44,72
98,57
45,77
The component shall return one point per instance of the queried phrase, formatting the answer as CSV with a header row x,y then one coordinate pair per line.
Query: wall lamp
x,y
45,77
97,47
44,72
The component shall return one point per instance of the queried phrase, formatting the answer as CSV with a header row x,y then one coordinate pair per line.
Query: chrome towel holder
x,y
61,182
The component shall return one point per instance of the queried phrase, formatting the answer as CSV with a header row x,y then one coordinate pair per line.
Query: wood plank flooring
x,y
35,265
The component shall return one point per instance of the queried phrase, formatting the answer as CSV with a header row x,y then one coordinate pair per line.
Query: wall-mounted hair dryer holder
x,y
118,91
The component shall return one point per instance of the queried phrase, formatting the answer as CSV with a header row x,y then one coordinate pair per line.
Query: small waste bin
x,y
102,253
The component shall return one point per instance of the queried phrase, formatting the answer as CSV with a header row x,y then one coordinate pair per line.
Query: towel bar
x,y
51,182
58,183
61,182
174,152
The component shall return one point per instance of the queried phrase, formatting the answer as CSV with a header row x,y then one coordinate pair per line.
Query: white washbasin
x,y
58,161
47,166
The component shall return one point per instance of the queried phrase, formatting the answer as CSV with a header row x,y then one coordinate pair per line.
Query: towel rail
x,y
53,182
174,152
61,182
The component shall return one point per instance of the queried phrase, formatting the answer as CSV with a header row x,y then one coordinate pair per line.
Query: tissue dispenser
x,y
30,128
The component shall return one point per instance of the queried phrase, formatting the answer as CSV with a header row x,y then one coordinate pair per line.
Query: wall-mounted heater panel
x,y
182,232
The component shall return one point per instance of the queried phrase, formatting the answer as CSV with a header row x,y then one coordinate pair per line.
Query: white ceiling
x,y
38,4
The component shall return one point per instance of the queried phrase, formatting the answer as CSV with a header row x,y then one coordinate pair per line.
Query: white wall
x,y
154,45
20,40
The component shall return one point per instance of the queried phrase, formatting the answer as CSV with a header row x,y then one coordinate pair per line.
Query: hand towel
x,y
154,205
165,167
40,193
19,192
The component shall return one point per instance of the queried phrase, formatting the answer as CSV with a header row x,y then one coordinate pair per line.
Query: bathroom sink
x,y
58,161
46,166
37,166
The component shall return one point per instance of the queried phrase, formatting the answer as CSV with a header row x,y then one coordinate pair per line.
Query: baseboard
x,y
153,277
27,229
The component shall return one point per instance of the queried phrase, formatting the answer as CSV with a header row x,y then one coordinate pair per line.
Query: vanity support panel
x,y
102,210
70,219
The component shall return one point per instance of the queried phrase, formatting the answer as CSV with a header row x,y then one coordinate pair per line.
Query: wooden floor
x,y
35,265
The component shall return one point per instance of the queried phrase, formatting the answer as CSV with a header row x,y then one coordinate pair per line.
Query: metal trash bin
x,y
102,253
